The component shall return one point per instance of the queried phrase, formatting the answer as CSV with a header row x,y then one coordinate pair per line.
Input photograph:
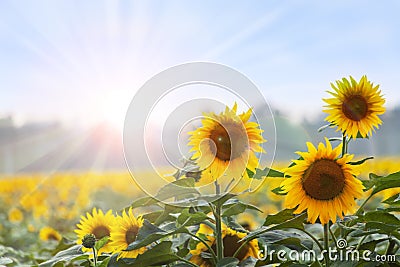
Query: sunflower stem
x,y
229,185
390,247
362,205
218,224
344,151
95,256
313,238
214,257
326,243
344,146
333,236
240,248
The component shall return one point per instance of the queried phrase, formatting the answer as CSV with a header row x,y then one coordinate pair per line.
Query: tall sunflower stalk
x,y
323,180
355,109
224,147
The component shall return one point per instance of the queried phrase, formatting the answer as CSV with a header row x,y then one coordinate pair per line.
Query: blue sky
x,y
83,60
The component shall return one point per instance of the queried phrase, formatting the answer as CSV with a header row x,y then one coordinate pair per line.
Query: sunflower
x,y
15,215
49,234
125,232
226,144
97,223
355,107
322,183
231,243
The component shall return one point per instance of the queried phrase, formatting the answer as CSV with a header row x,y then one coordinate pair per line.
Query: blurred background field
x,y
30,203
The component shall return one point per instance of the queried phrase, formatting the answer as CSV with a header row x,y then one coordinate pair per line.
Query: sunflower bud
x,y
89,240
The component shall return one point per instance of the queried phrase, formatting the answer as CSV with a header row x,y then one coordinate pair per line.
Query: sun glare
x,y
113,107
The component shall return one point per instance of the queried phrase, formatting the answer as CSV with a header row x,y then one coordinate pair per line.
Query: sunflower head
x,y
322,183
226,144
89,240
99,224
231,240
124,232
15,215
355,106
49,234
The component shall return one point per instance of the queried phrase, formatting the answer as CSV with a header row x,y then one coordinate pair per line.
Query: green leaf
x,y
332,139
371,245
237,207
288,239
381,216
68,255
234,209
393,200
104,263
150,233
360,136
292,243
115,262
380,183
294,223
147,234
293,163
262,173
101,243
63,245
152,216
182,187
360,161
183,252
383,228
187,219
228,262
143,202
217,200
279,191
322,128
391,209
280,217
166,214
160,254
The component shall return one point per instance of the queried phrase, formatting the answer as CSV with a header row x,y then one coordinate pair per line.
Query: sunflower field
x,y
326,207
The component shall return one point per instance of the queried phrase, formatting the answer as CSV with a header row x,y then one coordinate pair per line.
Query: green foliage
x,y
158,255
73,253
360,161
280,221
279,191
380,183
101,243
183,188
262,173
169,231
228,262
280,217
322,128
393,200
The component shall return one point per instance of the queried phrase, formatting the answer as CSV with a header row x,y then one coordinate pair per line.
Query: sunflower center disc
x,y
52,237
230,141
355,107
323,180
100,232
130,235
